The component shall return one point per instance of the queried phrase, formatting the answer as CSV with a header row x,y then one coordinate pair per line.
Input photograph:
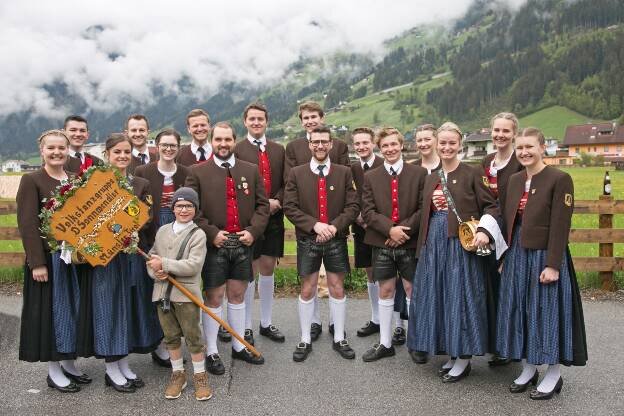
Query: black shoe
x,y
369,328
419,357
272,333
137,382
443,371
315,331
249,336
302,351
247,356
161,362
344,349
214,365
398,336
497,361
81,379
521,388
377,352
447,378
122,388
538,395
224,335
70,388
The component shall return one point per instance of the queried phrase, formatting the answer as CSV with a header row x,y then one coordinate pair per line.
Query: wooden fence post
x,y
606,249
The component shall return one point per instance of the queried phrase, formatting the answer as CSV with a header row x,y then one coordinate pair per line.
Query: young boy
x,y
178,315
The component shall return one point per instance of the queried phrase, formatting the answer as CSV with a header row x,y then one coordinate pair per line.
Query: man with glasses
x,y
321,201
77,130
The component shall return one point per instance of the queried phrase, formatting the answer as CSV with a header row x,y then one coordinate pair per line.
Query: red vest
x,y
394,186
265,171
322,200
232,223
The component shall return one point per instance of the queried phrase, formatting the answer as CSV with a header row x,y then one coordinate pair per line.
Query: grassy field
x,y
553,120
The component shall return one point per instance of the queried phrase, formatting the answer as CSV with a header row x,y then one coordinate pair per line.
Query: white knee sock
x,y
56,374
199,366
178,365
338,309
398,322
386,307
449,364
550,379
112,369
306,311
528,371
459,366
70,367
161,351
408,301
211,329
373,296
249,298
266,287
316,317
236,319
125,369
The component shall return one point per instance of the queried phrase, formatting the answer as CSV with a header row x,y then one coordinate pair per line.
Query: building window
x,y
618,149
606,149
562,161
595,149
578,150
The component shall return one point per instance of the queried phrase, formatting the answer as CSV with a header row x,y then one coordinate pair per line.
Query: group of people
x,y
217,221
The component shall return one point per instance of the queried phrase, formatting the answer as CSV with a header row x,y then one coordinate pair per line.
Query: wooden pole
x,y
203,307
606,249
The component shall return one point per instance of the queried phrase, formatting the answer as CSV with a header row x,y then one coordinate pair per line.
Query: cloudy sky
x,y
111,51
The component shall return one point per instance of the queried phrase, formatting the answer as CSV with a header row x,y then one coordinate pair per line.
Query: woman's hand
x,y
40,274
549,275
481,239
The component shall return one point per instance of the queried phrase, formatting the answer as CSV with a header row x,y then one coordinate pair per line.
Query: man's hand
x,y
549,275
332,229
219,239
274,206
324,231
155,263
398,235
40,274
245,237
391,244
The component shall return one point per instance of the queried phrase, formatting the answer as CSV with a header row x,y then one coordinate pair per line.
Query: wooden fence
x,y
605,264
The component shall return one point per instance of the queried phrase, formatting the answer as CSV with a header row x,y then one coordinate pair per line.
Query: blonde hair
x,y
384,132
450,126
533,132
196,113
507,116
53,132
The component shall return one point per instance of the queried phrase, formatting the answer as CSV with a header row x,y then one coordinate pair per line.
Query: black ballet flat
x,y
538,395
122,388
81,379
137,382
521,388
443,371
454,379
70,388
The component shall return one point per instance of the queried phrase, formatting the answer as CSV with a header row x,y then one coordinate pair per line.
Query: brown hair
x,y
223,125
450,126
387,132
136,117
54,132
74,117
364,130
507,116
168,132
533,132
311,106
322,129
256,106
196,113
114,139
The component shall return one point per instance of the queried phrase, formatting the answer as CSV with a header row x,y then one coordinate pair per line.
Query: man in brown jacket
x,y
233,213
391,205
269,157
137,130
77,130
321,201
200,150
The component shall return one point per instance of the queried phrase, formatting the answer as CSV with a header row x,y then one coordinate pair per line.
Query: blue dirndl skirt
x,y
540,322
166,216
145,330
448,312
65,304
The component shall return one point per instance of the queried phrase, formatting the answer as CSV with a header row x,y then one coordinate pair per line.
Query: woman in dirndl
x,y
50,324
448,313
540,315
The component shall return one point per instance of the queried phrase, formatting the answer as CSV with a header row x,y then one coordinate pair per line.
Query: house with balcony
x,y
477,145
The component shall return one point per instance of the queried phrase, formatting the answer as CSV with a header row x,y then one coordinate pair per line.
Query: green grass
x,y
553,120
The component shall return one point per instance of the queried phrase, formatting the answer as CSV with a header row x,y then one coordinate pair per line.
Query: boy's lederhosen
x,y
363,252
246,208
330,198
388,201
270,162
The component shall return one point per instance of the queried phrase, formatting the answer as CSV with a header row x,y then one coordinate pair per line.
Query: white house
x,y
13,166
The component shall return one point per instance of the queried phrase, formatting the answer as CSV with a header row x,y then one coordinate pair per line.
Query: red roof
x,y
600,133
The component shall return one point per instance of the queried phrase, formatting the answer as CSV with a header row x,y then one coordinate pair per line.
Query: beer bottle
x,y
606,188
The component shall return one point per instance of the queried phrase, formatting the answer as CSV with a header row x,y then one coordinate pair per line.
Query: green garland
x,y
63,192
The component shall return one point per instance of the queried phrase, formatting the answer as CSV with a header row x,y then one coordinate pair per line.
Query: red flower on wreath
x,y
50,204
127,241
64,189
86,165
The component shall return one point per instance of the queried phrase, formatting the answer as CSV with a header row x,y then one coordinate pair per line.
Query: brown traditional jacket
x,y
377,203
247,151
470,193
502,175
547,215
135,161
301,199
156,180
140,187
186,157
208,180
73,163
418,162
298,153
358,178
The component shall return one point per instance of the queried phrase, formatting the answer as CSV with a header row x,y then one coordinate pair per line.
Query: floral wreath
x,y
65,191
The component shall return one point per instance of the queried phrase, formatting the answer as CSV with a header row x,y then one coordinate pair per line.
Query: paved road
x,y
325,383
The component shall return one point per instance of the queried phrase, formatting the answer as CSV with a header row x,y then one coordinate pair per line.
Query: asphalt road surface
x,y
325,383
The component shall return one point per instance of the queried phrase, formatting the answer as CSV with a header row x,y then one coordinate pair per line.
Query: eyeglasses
x,y
317,143
171,146
182,207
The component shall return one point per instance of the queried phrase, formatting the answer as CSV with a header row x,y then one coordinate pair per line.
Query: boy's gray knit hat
x,y
185,194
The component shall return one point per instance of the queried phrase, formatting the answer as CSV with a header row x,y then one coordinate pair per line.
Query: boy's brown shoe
x,y
177,383
202,389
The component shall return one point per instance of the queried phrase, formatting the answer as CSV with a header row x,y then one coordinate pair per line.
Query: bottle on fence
x,y
606,188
